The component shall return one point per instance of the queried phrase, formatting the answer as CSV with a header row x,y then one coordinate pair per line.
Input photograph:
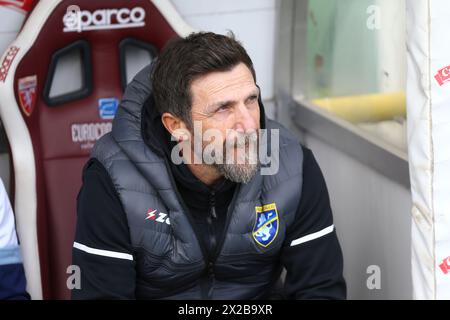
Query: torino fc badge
x,y
27,93
267,223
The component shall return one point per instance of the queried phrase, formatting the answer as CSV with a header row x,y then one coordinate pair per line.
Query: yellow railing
x,y
366,108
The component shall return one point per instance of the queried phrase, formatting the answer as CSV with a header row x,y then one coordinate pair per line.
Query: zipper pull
x,y
213,205
213,212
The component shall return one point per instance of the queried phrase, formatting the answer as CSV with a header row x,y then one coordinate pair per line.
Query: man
x,y
153,227
12,275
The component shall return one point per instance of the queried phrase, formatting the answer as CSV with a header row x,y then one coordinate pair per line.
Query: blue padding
x,y
10,255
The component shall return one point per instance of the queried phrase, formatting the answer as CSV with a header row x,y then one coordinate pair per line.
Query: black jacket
x,y
314,268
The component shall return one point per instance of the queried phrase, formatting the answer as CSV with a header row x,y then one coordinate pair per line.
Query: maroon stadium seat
x,y
60,83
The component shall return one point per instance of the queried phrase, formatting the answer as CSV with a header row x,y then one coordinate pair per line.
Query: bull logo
x,y
267,224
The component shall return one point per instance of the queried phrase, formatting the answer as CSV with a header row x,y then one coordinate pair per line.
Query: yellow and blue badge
x,y
267,223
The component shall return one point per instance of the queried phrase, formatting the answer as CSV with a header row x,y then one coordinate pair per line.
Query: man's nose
x,y
244,118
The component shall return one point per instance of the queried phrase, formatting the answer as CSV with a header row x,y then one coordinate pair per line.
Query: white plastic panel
x,y
372,218
208,7
428,98
252,22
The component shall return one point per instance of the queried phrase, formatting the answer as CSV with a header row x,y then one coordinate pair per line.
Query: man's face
x,y
228,102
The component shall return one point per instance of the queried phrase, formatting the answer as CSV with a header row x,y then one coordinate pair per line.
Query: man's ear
x,y
176,127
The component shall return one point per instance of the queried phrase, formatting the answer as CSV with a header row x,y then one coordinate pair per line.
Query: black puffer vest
x,y
170,261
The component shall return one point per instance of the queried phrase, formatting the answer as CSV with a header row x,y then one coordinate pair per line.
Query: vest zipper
x,y
210,220
205,287
206,282
227,223
210,278
186,210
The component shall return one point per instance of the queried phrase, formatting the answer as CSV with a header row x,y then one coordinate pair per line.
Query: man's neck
x,y
205,173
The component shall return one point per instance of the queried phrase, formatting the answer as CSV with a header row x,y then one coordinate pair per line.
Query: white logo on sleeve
x,y
160,217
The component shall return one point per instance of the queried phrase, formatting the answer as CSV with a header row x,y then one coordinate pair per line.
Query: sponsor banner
x,y
77,20
86,134
24,5
445,265
443,75
7,60
107,108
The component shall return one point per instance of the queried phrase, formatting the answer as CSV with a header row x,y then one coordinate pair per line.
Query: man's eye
x,y
223,108
252,99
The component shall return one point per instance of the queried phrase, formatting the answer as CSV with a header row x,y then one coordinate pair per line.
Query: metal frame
x,y
296,113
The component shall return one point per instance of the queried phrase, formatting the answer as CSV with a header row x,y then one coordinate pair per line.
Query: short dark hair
x,y
185,59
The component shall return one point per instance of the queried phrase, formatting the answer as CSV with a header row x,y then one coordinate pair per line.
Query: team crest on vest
x,y
267,223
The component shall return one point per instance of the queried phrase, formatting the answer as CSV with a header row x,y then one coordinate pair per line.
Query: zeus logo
x,y
158,217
